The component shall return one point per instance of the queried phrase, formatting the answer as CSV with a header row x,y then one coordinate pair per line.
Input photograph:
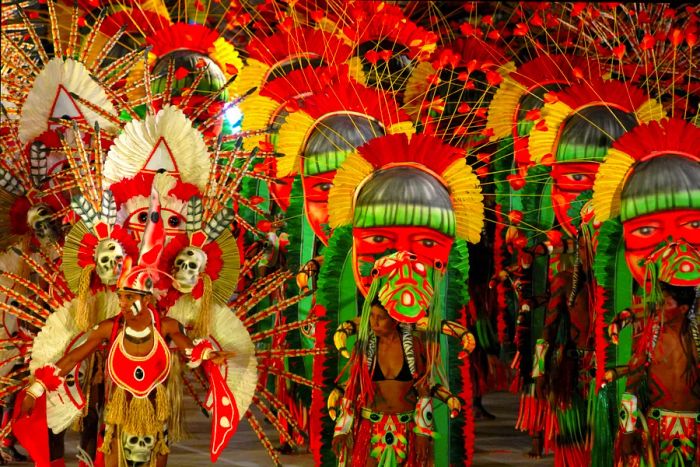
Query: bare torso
x,y
392,396
670,383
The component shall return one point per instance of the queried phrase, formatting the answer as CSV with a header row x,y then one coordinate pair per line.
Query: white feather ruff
x,y
50,345
133,147
76,79
9,262
231,335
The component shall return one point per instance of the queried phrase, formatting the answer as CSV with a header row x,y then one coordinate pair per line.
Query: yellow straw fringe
x,y
291,140
349,177
138,416
502,109
651,110
201,325
467,200
250,76
607,188
542,142
84,314
416,88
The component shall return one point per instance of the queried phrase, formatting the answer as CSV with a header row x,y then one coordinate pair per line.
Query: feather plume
x,y
109,208
194,214
218,223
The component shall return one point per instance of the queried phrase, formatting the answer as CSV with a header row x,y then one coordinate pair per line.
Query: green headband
x,y
315,164
640,205
386,215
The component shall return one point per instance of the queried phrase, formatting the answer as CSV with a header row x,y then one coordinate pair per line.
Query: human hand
x,y
27,405
220,357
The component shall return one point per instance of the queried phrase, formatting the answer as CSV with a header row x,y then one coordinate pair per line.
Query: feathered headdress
x,y
669,137
286,50
451,92
561,106
427,154
345,97
267,108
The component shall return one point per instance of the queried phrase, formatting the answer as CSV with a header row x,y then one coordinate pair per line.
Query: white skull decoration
x,y
109,256
138,449
189,264
39,219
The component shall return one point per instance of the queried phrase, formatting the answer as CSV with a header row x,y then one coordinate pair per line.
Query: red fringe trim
x,y
318,412
601,336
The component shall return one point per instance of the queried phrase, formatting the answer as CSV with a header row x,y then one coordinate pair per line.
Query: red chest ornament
x,y
139,375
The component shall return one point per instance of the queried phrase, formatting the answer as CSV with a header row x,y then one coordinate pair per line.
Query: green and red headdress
x,y
451,93
185,55
670,142
386,44
457,212
346,101
287,50
592,104
515,106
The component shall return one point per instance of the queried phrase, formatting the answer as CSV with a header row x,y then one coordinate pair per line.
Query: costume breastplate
x,y
139,375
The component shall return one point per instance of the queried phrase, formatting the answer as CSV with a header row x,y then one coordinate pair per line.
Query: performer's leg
x,y
56,445
91,421
162,460
112,459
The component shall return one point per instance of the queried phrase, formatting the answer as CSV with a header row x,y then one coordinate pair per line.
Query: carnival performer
x,y
138,363
386,415
663,385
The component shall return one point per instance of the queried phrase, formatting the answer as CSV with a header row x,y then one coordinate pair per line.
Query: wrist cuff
x,y
36,390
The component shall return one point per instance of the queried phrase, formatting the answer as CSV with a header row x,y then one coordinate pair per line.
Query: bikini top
x,y
404,375
138,375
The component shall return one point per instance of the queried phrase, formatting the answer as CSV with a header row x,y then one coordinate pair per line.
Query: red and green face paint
x,y
316,190
401,209
645,233
570,179
406,292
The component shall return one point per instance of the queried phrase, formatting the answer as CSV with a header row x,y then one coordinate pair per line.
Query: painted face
x,y
643,235
371,243
128,299
280,192
570,180
316,189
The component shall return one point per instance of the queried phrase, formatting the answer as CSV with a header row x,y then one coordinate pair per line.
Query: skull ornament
x,y
138,449
39,219
109,256
189,264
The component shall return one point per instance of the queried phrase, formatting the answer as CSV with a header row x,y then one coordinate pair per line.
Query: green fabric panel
x,y
384,215
580,153
641,205
315,164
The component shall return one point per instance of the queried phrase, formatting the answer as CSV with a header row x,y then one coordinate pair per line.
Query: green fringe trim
x,y
536,201
457,297
294,221
602,415
329,296
604,269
